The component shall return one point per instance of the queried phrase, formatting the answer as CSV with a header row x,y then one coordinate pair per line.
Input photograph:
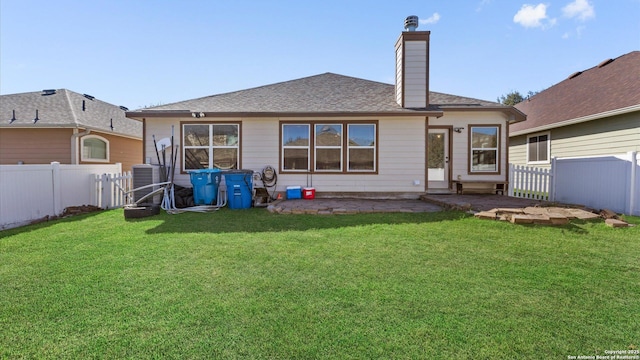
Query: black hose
x,y
269,180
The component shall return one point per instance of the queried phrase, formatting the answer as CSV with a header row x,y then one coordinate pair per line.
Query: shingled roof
x,y
320,94
66,109
612,85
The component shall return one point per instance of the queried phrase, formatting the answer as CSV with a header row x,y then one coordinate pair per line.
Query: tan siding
x,y
415,77
609,136
35,146
518,150
401,155
399,65
460,142
126,151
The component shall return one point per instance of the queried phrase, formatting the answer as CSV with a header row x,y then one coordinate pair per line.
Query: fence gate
x,y
112,190
530,183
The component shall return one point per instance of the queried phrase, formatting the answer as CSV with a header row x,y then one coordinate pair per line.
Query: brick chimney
x,y
412,66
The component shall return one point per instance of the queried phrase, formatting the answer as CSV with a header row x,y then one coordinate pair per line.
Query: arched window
x,y
95,148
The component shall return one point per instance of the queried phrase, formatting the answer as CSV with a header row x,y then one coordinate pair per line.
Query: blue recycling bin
x,y
239,188
205,185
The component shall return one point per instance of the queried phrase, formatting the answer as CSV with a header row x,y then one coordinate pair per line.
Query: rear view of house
x,y
70,128
344,135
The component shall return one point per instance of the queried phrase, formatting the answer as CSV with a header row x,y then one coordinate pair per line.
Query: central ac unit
x,y
143,175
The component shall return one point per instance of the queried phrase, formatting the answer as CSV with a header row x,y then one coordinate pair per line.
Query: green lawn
x,y
250,284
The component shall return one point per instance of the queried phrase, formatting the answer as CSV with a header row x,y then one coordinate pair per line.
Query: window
x,y
484,153
95,148
295,147
538,148
362,147
328,147
210,146
332,147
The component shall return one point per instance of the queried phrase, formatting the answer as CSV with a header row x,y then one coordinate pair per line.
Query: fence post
x,y
104,192
512,179
634,173
552,182
55,183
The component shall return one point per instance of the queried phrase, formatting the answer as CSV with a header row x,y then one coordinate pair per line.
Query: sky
x,y
140,53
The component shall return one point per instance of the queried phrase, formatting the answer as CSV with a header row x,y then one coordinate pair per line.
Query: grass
x,y
250,284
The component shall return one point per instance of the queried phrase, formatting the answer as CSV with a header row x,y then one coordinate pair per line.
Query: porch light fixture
x,y
198,115
458,129
36,119
13,118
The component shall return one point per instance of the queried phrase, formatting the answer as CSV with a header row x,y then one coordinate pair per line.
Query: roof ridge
x,y
267,85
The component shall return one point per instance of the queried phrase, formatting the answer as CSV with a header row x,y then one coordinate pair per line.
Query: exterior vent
x,y
88,96
48,92
605,63
575,74
146,175
411,23
123,108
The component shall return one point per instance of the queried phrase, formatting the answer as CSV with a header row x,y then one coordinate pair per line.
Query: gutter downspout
x,y
75,158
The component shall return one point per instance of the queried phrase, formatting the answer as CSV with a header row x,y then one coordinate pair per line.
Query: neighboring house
x,y
67,127
592,112
343,135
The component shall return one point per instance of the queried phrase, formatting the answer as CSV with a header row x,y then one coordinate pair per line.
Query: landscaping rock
x,y
615,223
487,215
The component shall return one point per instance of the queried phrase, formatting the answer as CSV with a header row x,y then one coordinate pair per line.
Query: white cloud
x,y
566,35
580,9
482,4
531,16
431,20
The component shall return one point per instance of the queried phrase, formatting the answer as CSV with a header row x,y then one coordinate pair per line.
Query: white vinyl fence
x,y
599,182
32,192
111,190
528,182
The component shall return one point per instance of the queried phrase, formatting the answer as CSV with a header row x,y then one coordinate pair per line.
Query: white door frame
x,y
439,179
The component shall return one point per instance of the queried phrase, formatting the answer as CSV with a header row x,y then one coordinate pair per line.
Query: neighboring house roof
x,y
320,94
66,109
611,87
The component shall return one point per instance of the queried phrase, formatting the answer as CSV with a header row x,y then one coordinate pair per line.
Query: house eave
x,y
514,114
146,114
68,126
578,120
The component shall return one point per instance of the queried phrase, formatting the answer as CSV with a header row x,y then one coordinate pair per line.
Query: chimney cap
x,y
411,23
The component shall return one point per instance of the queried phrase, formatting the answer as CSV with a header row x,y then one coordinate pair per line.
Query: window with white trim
x,y
295,147
210,146
362,147
328,149
484,151
538,147
94,148
331,147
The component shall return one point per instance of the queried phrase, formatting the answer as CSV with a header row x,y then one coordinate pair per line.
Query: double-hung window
x,y
538,148
362,147
328,147
484,148
210,146
295,147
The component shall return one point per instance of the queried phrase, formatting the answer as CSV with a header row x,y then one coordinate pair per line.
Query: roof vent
x,y
575,74
605,63
124,108
411,23
88,96
48,92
